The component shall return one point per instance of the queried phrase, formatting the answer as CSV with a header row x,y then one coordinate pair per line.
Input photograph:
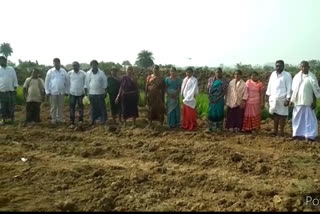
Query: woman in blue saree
x,y
173,85
217,93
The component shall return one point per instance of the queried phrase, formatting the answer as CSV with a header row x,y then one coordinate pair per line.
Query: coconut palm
x,y
145,59
6,49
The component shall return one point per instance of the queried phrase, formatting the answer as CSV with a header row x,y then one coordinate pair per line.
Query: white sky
x,y
210,32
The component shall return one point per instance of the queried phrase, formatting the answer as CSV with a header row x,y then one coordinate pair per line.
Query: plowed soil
x,y
135,169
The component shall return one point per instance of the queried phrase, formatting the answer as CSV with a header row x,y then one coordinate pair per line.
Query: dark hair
x,y
219,69
305,63
36,69
156,66
280,61
173,68
3,57
238,71
94,61
254,72
56,60
76,62
189,69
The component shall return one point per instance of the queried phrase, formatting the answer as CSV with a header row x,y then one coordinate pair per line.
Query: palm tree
x,y
145,59
6,49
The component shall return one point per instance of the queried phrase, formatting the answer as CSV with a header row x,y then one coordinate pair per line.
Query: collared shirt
x,y
8,79
96,83
77,82
279,86
56,82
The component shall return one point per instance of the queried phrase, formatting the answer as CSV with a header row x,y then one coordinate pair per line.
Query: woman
x,y
113,90
217,92
234,103
128,96
155,89
254,102
173,85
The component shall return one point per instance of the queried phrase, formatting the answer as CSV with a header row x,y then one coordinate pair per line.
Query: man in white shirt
x,y
305,91
77,80
278,95
189,90
57,86
96,86
8,86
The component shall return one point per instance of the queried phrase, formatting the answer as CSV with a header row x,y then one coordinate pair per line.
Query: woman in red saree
x,y
254,102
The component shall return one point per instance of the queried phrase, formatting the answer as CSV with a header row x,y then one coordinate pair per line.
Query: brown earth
x,y
109,169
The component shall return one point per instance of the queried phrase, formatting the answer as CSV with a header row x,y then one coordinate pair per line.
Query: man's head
x,y
114,71
35,73
189,72
156,70
173,71
279,66
56,63
94,65
129,70
304,66
76,66
3,61
237,74
219,73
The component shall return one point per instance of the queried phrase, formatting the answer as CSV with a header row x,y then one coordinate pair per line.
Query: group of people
x,y
243,100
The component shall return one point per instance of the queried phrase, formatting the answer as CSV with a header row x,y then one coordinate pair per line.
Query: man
x,y
188,91
95,87
77,80
56,86
8,86
155,90
278,95
113,90
305,90
34,94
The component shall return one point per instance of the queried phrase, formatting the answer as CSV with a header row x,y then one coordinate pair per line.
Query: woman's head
x,y
156,70
129,70
237,74
254,76
173,71
219,73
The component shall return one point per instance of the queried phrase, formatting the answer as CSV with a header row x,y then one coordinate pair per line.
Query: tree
x,y
145,59
6,49
126,63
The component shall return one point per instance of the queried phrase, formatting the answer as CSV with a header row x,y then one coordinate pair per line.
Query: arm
x,y
262,97
314,103
15,80
47,83
288,86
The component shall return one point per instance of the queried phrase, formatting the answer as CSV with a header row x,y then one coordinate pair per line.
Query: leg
x,y
72,108
275,124
60,108
37,106
103,109
282,122
93,109
28,112
80,108
54,107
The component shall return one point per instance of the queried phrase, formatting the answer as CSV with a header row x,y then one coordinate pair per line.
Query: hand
x,y
290,104
286,103
243,104
116,101
313,105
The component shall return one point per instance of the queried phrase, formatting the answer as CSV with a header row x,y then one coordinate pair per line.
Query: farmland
x,y
124,169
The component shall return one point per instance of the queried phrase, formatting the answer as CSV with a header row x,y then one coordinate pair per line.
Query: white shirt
x,y
56,82
189,89
279,86
96,83
8,79
304,87
77,82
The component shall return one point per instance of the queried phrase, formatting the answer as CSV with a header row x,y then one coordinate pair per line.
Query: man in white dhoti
x,y
278,95
305,91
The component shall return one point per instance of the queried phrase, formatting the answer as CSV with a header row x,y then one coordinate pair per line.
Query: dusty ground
x,y
104,169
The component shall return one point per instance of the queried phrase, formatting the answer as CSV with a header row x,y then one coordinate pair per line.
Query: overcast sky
x,y
210,32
